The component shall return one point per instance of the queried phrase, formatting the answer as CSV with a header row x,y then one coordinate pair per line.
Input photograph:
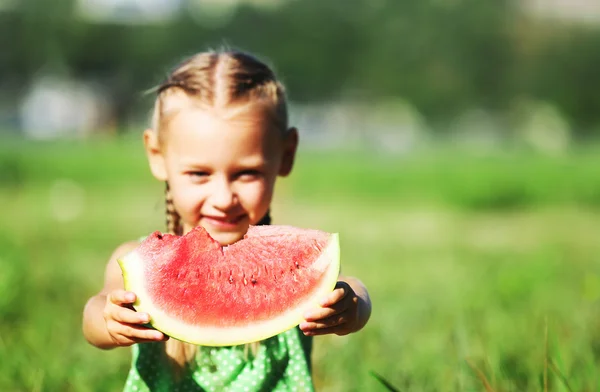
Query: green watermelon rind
x,y
133,276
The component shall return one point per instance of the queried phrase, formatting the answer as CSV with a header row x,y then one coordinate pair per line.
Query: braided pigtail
x,y
179,353
173,219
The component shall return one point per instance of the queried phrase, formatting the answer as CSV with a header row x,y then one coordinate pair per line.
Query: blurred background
x,y
453,144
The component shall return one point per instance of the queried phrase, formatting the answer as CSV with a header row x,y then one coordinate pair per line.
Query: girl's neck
x,y
266,220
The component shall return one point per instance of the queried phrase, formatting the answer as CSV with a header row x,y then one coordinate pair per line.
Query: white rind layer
x,y
133,275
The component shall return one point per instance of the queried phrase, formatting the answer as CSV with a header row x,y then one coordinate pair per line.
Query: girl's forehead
x,y
246,116
198,131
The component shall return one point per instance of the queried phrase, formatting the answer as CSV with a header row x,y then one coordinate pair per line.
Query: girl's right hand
x,y
126,326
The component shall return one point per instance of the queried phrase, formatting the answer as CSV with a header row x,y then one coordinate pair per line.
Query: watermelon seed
x,y
159,236
297,265
230,277
253,280
245,281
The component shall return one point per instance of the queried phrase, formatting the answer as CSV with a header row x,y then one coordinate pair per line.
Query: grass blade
x,y
481,376
385,382
561,377
546,354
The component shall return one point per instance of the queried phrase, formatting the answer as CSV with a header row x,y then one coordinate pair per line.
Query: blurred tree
x,y
444,57
563,70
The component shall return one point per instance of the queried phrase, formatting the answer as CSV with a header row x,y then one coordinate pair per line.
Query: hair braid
x,y
173,218
180,354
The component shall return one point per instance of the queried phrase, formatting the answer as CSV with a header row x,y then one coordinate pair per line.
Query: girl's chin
x,y
226,238
226,235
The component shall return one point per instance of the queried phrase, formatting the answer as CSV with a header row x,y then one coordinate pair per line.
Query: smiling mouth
x,y
225,220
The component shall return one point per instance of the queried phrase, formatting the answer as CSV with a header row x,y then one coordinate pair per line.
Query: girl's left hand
x,y
338,314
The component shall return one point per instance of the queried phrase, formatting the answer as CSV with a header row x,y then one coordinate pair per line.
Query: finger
x,y
139,333
162,338
339,292
332,321
126,315
128,341
340,330
121,297
322,313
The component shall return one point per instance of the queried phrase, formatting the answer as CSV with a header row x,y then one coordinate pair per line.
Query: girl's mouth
x,y
223,222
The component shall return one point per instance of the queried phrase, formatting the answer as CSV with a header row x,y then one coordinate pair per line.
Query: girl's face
x,y
221,170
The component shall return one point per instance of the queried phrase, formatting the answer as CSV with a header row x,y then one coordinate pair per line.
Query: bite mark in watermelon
x,y
199,292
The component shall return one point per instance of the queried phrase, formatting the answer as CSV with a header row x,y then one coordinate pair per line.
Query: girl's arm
x,y
108,319
347,309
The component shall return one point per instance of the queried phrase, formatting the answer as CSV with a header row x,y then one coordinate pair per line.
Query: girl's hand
x,y
125,325
339,313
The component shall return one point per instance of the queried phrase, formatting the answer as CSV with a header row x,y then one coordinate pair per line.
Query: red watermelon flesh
x,y
197,291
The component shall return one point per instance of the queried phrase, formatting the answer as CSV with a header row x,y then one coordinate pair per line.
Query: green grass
x,y
469,260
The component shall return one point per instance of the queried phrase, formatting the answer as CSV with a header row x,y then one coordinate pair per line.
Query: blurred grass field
x,y
482,268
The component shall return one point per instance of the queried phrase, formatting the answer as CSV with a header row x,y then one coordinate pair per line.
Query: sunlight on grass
x,y
463,284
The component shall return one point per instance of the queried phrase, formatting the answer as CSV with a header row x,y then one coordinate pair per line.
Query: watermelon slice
x,y
199,292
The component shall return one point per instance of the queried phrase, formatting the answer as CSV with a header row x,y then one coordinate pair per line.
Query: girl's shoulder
x,y
113,278
125,248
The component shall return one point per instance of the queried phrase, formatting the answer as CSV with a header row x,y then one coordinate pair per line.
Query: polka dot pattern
x,y
280,364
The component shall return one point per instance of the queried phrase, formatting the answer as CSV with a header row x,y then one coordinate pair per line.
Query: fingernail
x,y
144,318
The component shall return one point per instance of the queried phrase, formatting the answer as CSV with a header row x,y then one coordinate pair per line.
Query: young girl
x,y
219,140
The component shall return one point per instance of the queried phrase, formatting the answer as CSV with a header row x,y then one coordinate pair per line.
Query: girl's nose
x,y
222,196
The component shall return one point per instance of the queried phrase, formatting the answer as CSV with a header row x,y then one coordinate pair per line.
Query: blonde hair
x,y
222,80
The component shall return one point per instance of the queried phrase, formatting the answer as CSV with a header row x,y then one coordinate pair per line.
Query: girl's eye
x,y
248,175
197,175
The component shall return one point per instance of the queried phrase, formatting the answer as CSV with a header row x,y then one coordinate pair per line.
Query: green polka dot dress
x,y
282,363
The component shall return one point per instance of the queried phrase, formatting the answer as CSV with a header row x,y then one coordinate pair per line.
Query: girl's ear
x,y
155,157
290,144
